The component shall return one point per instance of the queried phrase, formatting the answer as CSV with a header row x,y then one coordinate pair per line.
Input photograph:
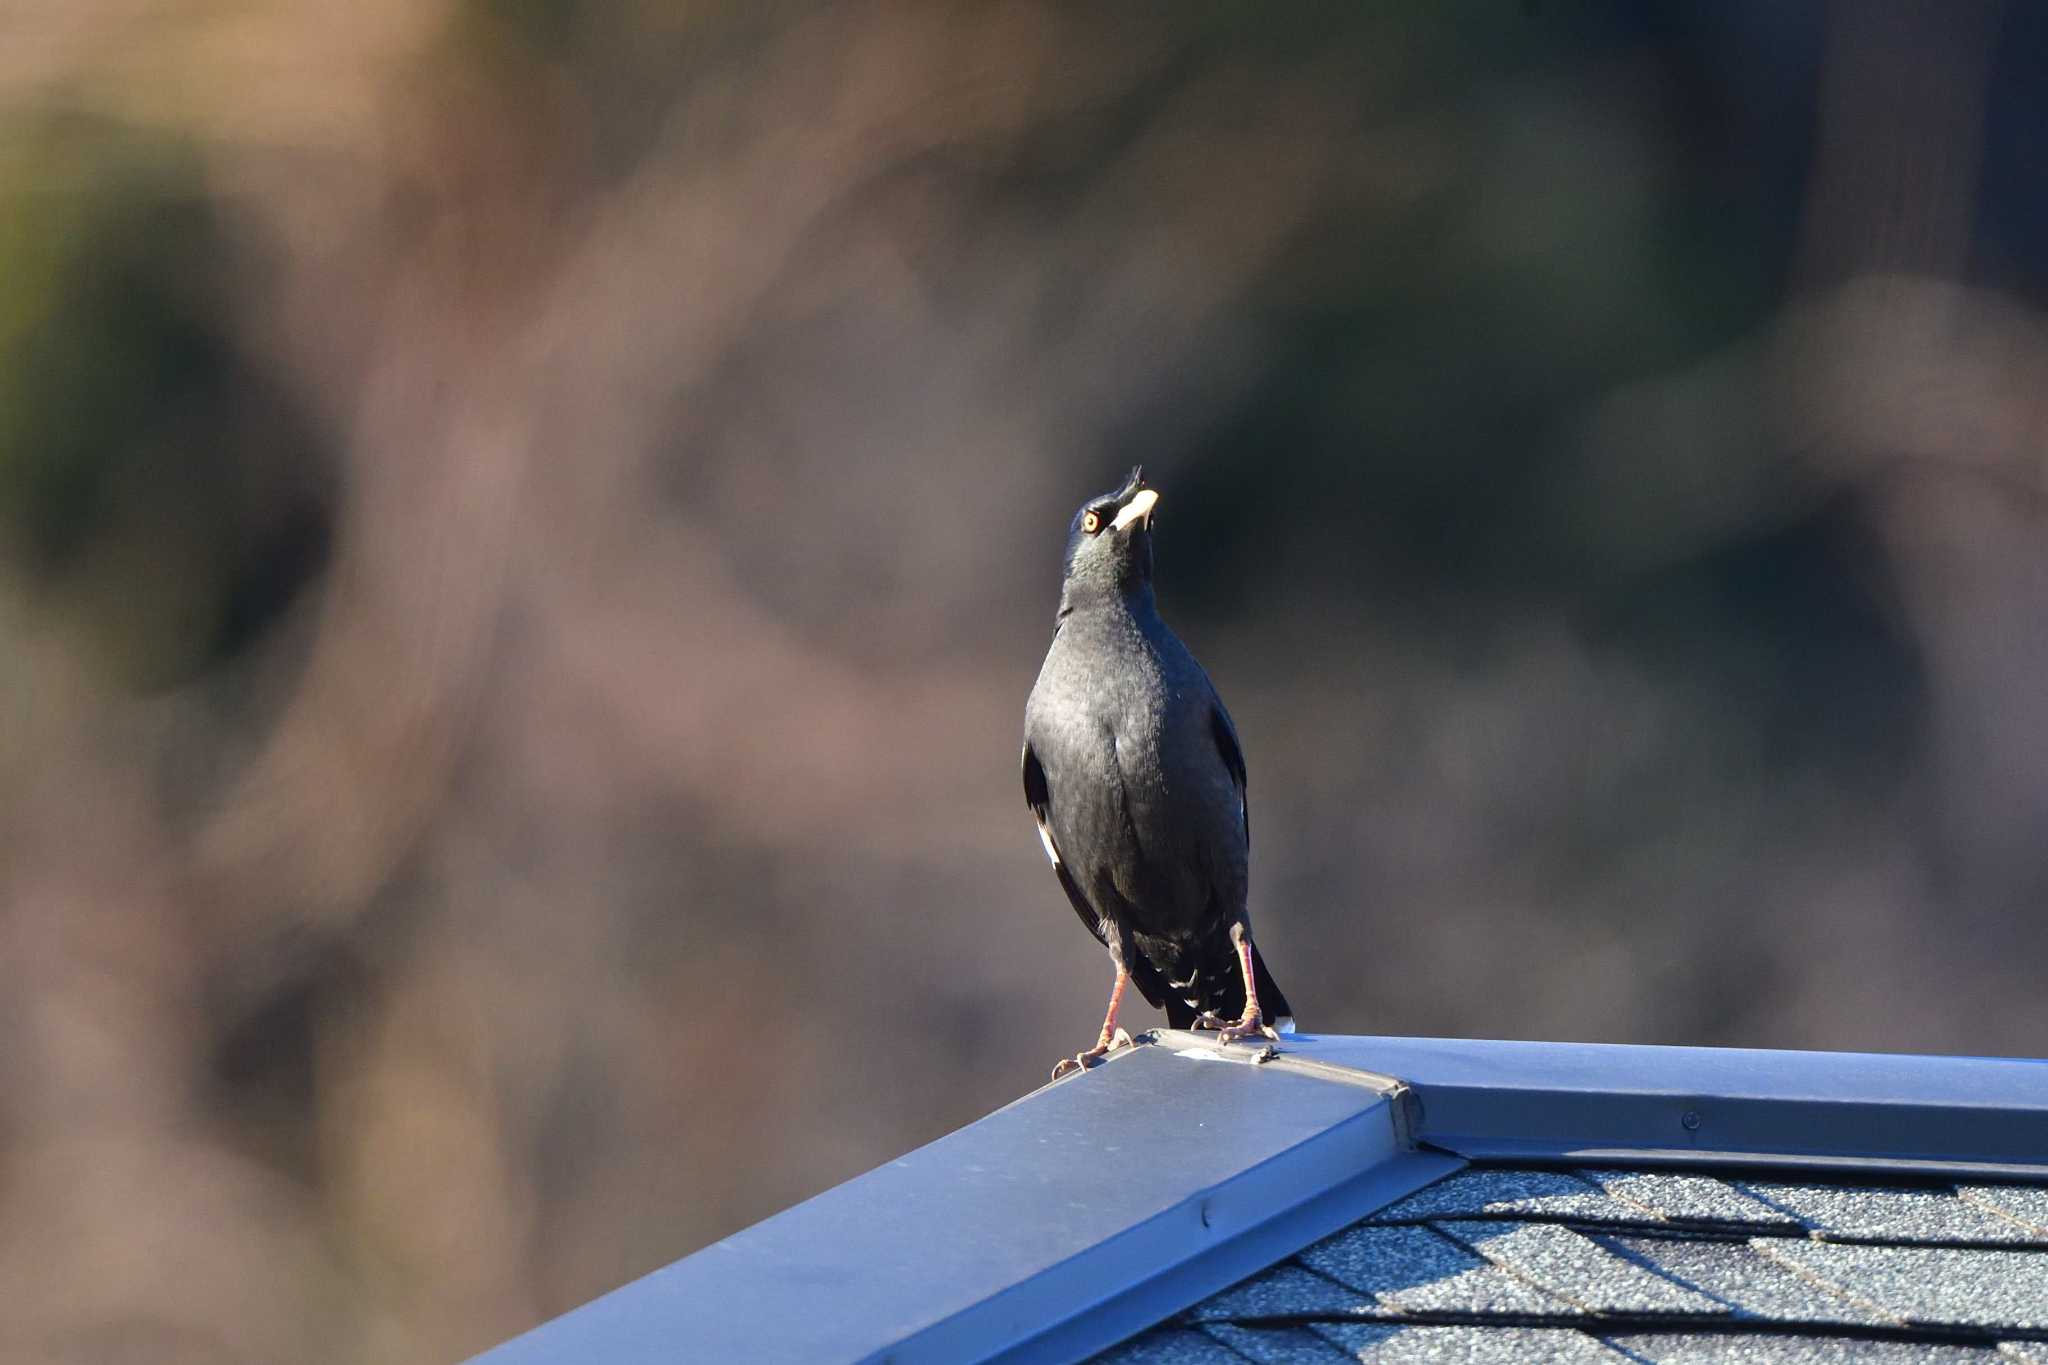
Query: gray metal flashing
x,y
1052,1228
1181,1285
1809,1163
1619,1105
1290,1057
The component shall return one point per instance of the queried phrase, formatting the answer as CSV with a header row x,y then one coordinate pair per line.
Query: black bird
x,y
1133,772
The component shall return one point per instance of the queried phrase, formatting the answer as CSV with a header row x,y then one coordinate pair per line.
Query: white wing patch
x,y
1045,837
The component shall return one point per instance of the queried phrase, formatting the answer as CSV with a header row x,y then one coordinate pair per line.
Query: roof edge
x,y
1051,1228
1503,1152
1185,1268
1584,1103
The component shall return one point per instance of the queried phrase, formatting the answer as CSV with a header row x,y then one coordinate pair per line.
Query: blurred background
x,y
526,529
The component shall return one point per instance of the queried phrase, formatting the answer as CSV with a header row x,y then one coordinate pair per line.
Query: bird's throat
x,y
1090,596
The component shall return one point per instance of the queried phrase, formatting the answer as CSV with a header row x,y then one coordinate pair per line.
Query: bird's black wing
x,y
1233,759
1039,797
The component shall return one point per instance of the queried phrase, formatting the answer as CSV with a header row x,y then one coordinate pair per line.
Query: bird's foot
x,y
1251,1025
1081,1061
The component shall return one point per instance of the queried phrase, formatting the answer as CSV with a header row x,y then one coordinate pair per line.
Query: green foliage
x,y
124,439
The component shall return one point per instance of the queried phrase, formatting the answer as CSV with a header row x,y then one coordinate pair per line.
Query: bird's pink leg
x,y
1251,1024
1111,1037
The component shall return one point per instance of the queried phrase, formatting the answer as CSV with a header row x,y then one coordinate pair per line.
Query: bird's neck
x,y
1091,598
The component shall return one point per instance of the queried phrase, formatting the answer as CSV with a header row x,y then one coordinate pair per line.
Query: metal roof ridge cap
x,y
1527,1064
1403,1106
1170,1285
1285,1054
1208,1239
881,1245
1490,1100
1538,1047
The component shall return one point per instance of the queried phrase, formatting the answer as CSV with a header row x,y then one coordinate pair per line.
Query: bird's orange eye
x,y
1091,522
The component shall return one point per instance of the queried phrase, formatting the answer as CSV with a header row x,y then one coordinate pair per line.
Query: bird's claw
x,y
1252,1025
1255,1028
1081,1061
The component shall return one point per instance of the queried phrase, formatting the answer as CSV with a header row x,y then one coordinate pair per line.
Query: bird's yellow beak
x,y
1138,509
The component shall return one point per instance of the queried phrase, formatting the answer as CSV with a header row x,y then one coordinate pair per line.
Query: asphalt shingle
x,y
1774,1349
1385,1345
1691,1199
1171,1346
1528,1194
1754,1285
2025,1204
1282,1291
1502,1265
1277,1345
1889,1214
1575,1267
1418,1269
1964,1287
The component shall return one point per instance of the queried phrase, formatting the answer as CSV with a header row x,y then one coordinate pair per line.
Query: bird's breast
x,y
1142,804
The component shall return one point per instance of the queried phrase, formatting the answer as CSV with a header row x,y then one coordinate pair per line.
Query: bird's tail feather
x,y
1219,988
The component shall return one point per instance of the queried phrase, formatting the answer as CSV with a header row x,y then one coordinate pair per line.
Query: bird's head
x,y
1109,545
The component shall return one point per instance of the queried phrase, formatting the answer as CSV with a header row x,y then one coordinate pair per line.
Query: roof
x,y
1403,1198
1516,1263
